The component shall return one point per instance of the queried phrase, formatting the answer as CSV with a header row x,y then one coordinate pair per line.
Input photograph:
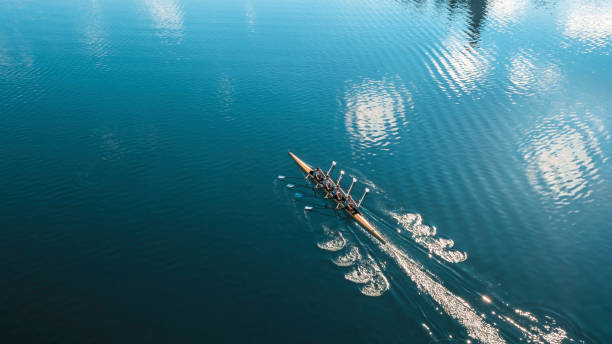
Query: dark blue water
x,y
141,144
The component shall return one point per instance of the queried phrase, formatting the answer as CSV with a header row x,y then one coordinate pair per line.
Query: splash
x,y
335,242
368,272
425,236
377,285
362,273
348,258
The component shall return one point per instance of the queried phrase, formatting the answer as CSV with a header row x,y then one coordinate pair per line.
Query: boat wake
x,y
367,272
453,305
335,240
348,257
443,294
364,269
483,318
425,236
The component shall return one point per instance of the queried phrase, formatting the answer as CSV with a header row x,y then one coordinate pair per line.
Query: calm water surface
x,y
142,143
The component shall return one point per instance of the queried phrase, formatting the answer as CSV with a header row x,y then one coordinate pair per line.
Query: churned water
x,y
147,196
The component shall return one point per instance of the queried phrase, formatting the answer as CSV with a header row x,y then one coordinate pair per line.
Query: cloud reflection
x,y
225,94
529,76
589,23
168,18
560,154
16,58
457,66
375,111
250,15
95,34
504,12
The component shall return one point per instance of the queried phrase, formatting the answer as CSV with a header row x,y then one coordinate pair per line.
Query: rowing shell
x,y
357,216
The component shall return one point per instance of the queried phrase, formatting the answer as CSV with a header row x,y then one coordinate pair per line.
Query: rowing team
x,y
335,190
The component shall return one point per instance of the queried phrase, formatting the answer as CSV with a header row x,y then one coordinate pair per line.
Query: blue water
x,y
141,144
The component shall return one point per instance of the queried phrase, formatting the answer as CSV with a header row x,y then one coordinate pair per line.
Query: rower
x,y
329,184
350,204
318,173
338,195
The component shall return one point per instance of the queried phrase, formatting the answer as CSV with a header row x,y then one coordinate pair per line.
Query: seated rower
x,y
350,203
338,195
318,173
328,184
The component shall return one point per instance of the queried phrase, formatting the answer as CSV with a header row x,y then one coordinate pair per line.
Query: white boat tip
x,y
307,207
290,186
281,177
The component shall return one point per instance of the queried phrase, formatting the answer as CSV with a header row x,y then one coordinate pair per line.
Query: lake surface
x,y
147,195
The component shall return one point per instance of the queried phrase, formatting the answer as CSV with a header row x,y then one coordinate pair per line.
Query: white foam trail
x,y
453,305
477,326
425,236
547,333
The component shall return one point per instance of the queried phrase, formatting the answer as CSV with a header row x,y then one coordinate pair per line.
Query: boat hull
x,y
357,216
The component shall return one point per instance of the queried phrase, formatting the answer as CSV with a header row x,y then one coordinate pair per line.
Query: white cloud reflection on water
x,y
96,38
504,12
529,75
167,16
375,111
457,67
561,154
250,15
589,23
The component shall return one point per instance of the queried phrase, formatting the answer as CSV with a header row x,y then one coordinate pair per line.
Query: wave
x,y
425,236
